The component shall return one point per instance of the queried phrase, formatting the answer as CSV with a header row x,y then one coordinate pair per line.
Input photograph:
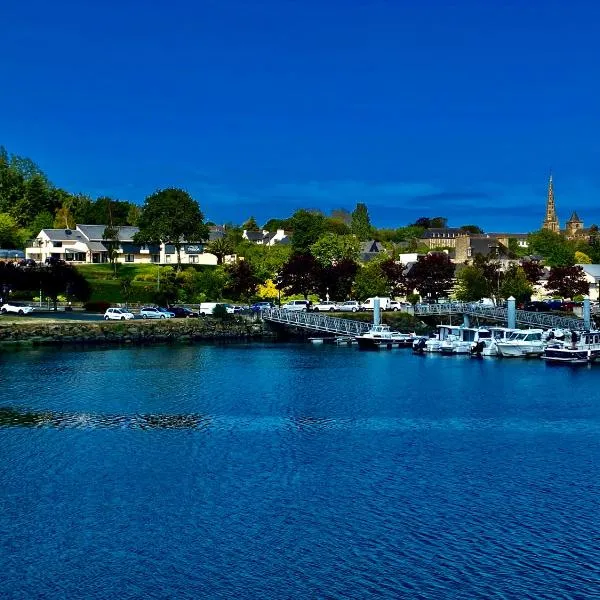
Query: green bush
x,y
220,312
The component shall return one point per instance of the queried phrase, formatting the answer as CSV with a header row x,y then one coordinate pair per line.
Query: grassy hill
x,y
108,288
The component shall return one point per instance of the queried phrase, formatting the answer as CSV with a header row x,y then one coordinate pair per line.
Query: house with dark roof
x,y
86,244
468,246
370,250
266,238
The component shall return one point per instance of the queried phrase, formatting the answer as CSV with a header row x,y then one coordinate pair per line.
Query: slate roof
x,y
63,235
574,218
255,236
442,233
485,245
95,232
591,270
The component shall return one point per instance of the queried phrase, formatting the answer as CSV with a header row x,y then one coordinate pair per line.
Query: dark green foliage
x,y
553,247
515,284
250,225
567,282
96,306
242,281
307,227
474,229
299,275
361,223
171,216
220,312
432,276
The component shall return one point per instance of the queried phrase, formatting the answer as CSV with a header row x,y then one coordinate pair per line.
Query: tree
x,y
307,227
567,282
61,279
11,235
337,279
556,250
64,218
423,222
299,275
472,284
133,214
329,249
242,280
515,284
371,281
533,270
110,237
126,288
474,229
438,222
43,220
250,225
267,290
394,274
432,275
221,247
360,224
171,215
581,258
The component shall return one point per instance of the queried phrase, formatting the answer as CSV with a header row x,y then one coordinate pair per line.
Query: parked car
x,y
349,306
16,307
536,306
52,261
118,314
297,305
325,306
166,311
258,306
230,308
27,262
396,305
152,312
181,312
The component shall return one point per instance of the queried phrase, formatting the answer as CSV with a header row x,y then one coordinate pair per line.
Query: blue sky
x,y
264,106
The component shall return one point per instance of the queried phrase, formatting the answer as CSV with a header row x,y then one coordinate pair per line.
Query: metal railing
x,y
316,322
496,313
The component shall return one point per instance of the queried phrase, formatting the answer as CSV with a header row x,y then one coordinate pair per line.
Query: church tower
x,y
551,220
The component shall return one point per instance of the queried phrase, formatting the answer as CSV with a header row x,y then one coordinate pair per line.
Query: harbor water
x,y
296,471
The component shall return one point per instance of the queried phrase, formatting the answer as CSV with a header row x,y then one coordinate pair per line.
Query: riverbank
x,y
52,332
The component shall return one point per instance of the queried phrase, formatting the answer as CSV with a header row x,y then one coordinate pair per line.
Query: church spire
x,y
551,220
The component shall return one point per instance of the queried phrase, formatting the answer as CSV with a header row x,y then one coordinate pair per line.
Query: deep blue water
x,y
296,472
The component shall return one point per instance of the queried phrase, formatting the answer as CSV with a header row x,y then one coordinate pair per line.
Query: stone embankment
x,y
130,332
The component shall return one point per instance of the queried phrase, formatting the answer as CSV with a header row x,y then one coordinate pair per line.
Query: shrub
x,y
220,312
97,306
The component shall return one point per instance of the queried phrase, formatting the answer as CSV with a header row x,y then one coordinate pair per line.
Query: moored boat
x,y
582,348
379,336
522,344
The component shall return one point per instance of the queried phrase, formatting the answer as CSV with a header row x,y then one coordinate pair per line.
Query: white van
x,y
368,304
207,308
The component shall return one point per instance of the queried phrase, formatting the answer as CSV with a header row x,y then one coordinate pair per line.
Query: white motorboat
x,y
489,346
575,349
380,336
522,344
460,340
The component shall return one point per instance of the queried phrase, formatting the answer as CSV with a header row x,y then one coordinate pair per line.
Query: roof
x,y
255,236
97,247
508,235
484,245
442,232
591,270
574,218
62,235
95,232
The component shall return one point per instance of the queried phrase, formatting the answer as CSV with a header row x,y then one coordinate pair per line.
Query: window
x,y
129,258
193,258
167,258
469,251
155,258
57,244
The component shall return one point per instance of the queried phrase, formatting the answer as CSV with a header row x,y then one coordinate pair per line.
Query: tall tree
x,y
472,284
221,247
110,237
567,282
250,225
337,279
533,270
307,227
515,284
361,223
299,275
555,249
242,280
329,249
432,275
171,216
394,274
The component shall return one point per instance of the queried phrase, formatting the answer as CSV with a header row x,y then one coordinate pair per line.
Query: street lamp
x,y
327,294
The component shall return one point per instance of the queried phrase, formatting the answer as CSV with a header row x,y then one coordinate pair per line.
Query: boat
x,y
522,344
460,339
377,337
576,349
489,346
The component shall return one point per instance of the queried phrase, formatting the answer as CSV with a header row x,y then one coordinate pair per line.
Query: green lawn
x,y
106,287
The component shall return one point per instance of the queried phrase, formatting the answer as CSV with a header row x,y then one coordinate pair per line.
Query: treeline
x,y
29,202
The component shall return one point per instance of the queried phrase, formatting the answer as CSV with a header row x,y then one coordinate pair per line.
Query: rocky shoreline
x,y
131,332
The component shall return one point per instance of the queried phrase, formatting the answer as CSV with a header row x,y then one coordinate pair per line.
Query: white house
x,y
592,276
84,244
266,238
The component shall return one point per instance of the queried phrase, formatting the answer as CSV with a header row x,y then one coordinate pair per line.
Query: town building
x,y
574,228
468,246
85,244
592,276
266,238
441,237
551,220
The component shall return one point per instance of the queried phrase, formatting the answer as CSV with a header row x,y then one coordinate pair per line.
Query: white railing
x,y
496,313
316,322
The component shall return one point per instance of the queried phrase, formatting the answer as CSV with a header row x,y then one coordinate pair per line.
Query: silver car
x,y
349,306
151,312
